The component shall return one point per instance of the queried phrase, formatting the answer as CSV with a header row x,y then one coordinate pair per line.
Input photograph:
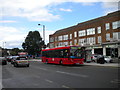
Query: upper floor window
x,y
115,35
75,34
108,37
90,31
56,38
70,36
91,40
65,37
82,33
82,41
115,24
99,29
99,39
59,38
107,26
75,42
51,39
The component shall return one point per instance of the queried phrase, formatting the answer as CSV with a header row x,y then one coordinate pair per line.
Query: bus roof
x,y
67,47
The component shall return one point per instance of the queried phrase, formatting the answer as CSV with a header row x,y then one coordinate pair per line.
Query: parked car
x,y
100,59
13,59
9,58
104,59
94,58
108,59
3,61
21,61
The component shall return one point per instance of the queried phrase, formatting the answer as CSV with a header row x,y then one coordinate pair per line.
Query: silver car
x,y
108,59
21,61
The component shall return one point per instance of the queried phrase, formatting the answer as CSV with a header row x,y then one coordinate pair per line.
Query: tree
x,y
15,51
33,43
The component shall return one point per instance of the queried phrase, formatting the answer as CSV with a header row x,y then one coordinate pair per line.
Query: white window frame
x,y
108,37
75,34
99,29
82,41
82,33
51,39
91,40
99,39
65,37
107,26
115,36
70,36
90,31
60,38
115,24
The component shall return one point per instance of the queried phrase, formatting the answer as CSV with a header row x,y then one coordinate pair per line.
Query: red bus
x,y
63,55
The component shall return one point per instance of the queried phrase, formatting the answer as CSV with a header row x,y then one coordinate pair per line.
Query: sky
x,y
18,17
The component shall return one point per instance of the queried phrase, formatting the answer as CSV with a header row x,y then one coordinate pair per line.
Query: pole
x,y
44,32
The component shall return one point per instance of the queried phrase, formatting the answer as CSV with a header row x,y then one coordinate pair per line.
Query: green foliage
x,y
33,43
15,51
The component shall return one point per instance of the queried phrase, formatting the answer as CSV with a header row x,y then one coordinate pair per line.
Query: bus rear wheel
x,y
61,62
46,62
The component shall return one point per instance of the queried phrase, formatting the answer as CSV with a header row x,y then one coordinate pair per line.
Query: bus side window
x,y
61,53
65,53
51,54
55,54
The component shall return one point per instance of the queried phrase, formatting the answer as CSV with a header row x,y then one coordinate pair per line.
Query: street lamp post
x,y
43,31
4,45
3,48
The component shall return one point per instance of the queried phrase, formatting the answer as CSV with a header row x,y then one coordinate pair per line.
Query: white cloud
x,y
7,21
15,37
38,10
110,7
11,35
66,10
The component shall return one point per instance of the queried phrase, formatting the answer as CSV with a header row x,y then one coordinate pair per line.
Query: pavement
x,y
105,64
92,63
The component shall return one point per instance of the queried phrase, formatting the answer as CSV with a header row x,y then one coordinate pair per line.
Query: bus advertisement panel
x,y
63,55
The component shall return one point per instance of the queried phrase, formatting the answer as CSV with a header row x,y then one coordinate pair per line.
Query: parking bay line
x,y
72,74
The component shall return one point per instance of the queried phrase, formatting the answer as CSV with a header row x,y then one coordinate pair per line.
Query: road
x,y
40,75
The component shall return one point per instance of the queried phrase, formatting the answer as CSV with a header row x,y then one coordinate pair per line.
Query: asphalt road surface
x,y
40,75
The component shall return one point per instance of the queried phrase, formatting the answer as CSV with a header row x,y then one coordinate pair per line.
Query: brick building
x,y
99,36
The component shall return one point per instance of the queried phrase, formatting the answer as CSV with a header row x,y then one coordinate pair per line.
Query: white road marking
x,y
49,81
43,69
72,74
115,81
65,86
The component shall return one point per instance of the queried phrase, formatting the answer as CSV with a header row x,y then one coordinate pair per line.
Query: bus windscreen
x,y
76,52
